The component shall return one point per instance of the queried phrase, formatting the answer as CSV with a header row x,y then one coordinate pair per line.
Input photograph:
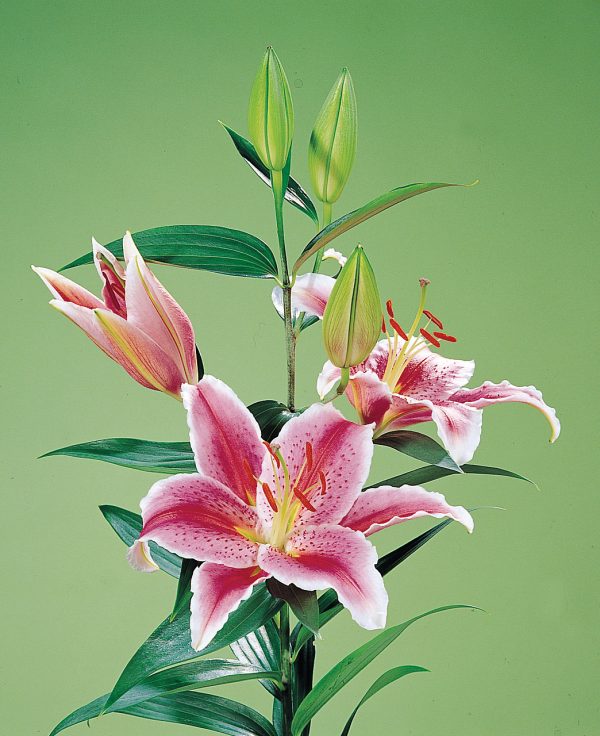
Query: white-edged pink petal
x,y
497,393
385,506
112,276
152,309
224,435
309,294
341,456
65,290
327,379
370,396
431,376
217,591
197,517
330,556
139,557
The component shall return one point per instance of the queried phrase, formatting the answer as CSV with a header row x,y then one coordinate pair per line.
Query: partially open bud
x,y
271,114
333,141
352,319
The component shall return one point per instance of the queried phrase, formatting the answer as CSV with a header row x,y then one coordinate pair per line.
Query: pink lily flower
x,y
310,291
137,322
292,509
403,383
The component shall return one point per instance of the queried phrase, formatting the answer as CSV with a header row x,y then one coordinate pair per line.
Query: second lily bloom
x,y
137,322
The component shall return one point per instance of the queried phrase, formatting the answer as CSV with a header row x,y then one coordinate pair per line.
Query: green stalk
x,y
290,335
327,217
286,670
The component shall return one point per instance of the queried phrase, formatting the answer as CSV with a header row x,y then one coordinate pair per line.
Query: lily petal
x,y
113,277
65,290
335,255
225,436
498,393
139,557
197,517
370,396
385,506
309,294
151,308
329,556
327,379
341,456
218,591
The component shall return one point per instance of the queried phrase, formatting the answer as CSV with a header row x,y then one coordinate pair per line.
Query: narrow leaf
x,y
303,603
429,473
419,446
383,681
271,416
260,648
128,526
347,669
294,193
354,218
203,247
170,643
182,596
153,457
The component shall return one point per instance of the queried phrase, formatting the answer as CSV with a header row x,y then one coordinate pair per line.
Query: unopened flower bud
x,y
352,319
271,114
333,141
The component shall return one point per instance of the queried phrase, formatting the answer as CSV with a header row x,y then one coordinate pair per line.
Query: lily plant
x,y
264,516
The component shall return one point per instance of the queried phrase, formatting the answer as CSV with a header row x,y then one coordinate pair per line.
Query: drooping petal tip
x,y
139,557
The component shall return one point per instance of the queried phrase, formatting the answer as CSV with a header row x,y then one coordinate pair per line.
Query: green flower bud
x,y
352,319
271,114
333,141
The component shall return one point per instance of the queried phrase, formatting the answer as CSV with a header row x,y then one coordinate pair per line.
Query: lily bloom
x,y
310,291
403,382
292,509
137,322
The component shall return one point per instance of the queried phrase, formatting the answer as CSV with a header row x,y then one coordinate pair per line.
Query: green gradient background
x,y
110,122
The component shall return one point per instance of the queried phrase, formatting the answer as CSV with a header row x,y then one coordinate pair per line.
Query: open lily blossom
x,y
137,322
403,382
292,509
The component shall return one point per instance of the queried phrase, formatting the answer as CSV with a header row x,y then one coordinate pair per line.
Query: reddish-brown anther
x,y
398,329
428,336
433,318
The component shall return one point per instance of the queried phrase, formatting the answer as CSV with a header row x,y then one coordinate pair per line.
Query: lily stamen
x,y
269,496
428,336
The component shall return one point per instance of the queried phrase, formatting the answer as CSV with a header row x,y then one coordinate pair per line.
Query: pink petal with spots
x,y
224,435
329,556
309,294
498,393
431,376
65,290
151,308
385,506
197,517
113,278
377,360
341,451
370,396
218,591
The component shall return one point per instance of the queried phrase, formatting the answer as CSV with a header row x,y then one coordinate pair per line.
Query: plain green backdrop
x,y
109,122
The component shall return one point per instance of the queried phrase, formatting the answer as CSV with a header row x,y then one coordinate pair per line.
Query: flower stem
x,y
286,670
290,335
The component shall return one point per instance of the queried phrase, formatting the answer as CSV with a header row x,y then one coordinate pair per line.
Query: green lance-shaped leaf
x,y
429,473
383,681
128,527
202,247
147,455
182,596
303,603
352,319
347,669
332,145
201,710
352,219
271,417
271,113
170,643
294,193
419,446
260,648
